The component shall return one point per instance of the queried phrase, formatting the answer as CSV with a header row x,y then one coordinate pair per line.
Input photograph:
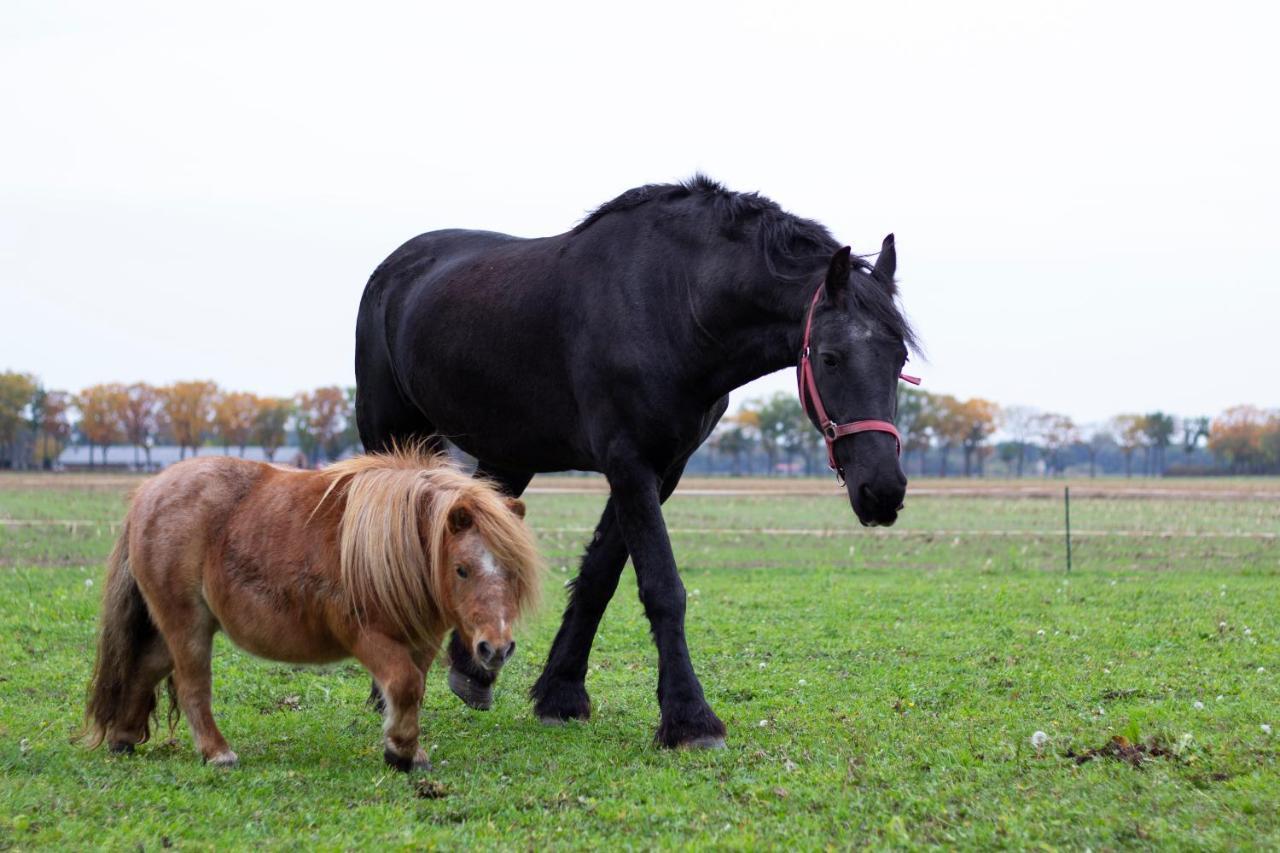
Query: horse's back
x,y
177,515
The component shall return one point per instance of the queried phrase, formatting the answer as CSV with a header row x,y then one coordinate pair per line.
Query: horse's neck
x,y
748,326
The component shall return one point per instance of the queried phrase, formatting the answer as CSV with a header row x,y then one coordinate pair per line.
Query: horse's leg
x,y
152,664
400,673
469,681
191,644
687,719
560,693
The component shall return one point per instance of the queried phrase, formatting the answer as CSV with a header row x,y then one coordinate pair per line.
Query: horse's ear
x,y
516,505
460,519
838,275
887,263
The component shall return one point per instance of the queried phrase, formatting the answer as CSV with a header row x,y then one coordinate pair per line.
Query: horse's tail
x,y
125,632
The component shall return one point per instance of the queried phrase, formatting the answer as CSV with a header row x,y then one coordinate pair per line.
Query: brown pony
x,y
374,558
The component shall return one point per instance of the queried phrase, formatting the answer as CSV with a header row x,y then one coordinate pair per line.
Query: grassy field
x,y
880,687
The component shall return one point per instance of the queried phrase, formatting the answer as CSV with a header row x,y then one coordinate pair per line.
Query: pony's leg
x,y
152,664
469,681
384,424
400,678
686,718
560,693
191,644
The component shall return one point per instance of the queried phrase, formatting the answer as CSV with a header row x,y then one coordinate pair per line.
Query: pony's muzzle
x,y
492,657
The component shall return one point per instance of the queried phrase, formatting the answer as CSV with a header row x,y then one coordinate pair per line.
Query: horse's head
x,y
491,575
857,346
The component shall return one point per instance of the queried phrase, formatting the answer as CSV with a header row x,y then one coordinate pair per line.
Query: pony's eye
x,y
829,359
462,571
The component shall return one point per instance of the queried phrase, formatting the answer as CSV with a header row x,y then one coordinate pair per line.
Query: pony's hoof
x,y
466,688
121,748
225,759
419,763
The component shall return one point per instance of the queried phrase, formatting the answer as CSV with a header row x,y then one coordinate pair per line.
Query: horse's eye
x,y
829,359
462,571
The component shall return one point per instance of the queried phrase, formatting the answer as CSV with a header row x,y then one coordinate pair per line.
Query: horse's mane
x,y
794,249
394,502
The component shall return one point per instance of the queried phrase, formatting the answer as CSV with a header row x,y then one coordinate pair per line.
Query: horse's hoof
x,y
560,703
121,748
225,759
698,728
466,688
703,742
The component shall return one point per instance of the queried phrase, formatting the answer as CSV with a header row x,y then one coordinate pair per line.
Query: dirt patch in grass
x,y
1120,748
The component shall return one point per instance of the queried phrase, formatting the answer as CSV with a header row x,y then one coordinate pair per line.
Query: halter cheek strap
x,y
809,397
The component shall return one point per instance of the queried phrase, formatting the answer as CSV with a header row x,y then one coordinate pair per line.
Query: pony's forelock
x,y
394,503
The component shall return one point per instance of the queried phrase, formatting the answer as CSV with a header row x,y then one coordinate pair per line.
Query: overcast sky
x,y
1086,198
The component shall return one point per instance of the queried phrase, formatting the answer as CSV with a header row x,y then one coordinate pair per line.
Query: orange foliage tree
x,y
54,429
188,410
269,424
100,424
140,417
323,417
979,419
1238,437
234,415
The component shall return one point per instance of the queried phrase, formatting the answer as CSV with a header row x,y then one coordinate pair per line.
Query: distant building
x,y
126,457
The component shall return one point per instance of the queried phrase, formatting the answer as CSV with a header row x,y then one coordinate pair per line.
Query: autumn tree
x,y
1236,437
16,392
100,424
949,426
188,412
322,417
1019,423
1129,435
140,414
979,418
53,428
737,437
269,422
1057,433
235,414
914,406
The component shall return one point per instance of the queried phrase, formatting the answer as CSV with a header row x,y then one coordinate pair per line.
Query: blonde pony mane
x,y
394,502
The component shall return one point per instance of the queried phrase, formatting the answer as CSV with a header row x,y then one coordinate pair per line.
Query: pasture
x,y
880,687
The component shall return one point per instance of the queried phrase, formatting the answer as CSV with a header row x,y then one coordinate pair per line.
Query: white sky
x,y
1086,196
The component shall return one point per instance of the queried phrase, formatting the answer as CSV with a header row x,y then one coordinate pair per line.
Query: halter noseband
x,y
808,388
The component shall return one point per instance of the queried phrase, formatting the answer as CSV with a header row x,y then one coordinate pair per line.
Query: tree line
x,y
941,434
36,423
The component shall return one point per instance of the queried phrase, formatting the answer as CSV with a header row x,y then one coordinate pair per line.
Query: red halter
x,y
808,387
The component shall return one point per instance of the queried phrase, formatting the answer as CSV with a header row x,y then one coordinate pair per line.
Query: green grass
x,y
879,690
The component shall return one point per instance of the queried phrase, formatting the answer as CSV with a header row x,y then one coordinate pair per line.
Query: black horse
x,y
613,348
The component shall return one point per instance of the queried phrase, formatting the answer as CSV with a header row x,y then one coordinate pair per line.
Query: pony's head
x,y
425,548
858,346
489,568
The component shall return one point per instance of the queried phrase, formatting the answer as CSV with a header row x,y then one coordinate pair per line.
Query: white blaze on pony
x,y
375,558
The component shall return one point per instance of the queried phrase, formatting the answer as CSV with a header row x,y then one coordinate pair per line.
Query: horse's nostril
x,y
484,651
509,650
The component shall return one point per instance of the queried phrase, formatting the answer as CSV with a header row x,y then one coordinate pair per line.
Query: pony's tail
x,y
125,632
